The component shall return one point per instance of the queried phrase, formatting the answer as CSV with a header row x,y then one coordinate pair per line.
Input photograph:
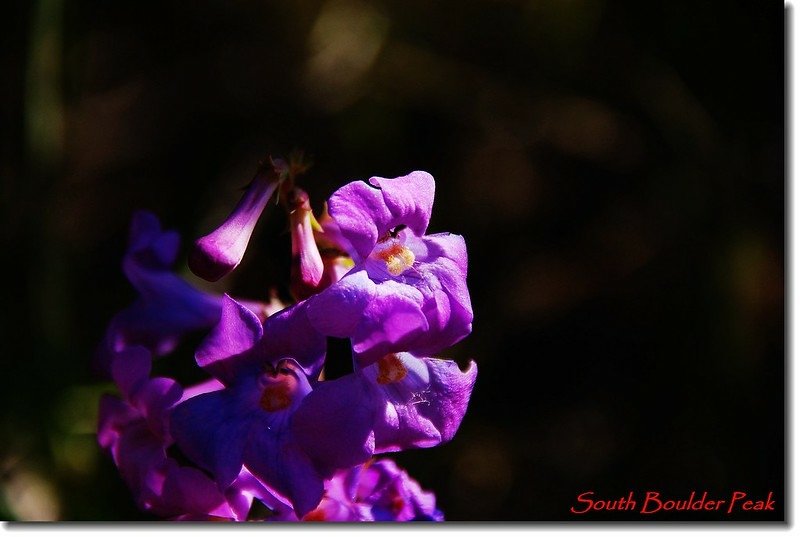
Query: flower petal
x,y
333,424
421,403
275,458
237,331
211,430
290,334
364,212
409,199
338,310
113,415
451,388
130,368
154,399
149,244
392,321
361,214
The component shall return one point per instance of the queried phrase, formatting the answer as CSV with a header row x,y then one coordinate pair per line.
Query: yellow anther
x,y
397,257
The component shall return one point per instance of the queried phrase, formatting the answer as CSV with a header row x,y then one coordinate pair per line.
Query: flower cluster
x,y
269,435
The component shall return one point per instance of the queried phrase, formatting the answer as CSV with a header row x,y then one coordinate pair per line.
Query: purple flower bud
x,y
168,307
307,266
218,253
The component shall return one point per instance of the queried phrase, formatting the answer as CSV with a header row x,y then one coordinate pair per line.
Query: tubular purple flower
x,y
248,422
218,253
414,402
134,430
307,267
407,291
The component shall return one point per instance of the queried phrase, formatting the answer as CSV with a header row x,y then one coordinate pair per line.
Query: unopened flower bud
x,y
218,253
307,266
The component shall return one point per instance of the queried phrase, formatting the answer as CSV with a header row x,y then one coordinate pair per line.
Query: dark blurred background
x,y
617,169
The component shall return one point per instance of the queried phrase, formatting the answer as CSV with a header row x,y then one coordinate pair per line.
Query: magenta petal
x,y
211,431
247,487
364,212
452,389
154,399
113,415
338,310
361,214
394,496
392,321
409,199
237,331
333,424
188,491
141,460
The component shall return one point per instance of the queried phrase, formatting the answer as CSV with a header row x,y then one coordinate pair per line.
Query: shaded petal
x,y
237,331
162,315
142,461
399,422
188,491
154,400
160,248
130,367
113,415
212,429
333,424
275,458
395,496
290,334
338,310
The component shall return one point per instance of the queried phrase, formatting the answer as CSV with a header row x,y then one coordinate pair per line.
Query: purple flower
x,y
252,421
168,307
307,266
376,491
407,291
266,427
134,430
218,253
415,402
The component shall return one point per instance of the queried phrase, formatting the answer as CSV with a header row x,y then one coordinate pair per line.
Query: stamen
x,y
397,257
391,369
275,398
279,388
